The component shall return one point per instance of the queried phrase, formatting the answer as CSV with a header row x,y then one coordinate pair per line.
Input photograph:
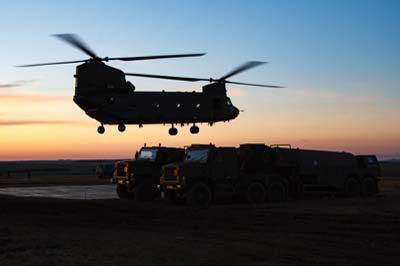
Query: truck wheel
x,y
369,186
199,195
352,187
256,193
277,192
123,193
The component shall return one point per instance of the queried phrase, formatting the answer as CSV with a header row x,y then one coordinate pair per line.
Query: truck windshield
x,y
147,154
196,155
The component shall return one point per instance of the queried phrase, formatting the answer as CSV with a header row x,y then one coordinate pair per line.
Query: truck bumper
x,y
170,187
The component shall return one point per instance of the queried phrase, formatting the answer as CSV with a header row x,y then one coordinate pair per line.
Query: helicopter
x,y
105,95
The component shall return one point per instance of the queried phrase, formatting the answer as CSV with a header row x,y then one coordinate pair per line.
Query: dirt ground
x,y
313,231
318,231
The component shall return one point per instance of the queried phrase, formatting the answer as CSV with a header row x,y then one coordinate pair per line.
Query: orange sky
x,y
53,127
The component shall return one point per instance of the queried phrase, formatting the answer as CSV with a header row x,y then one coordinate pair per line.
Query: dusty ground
x,y
37,231
51,180
317,231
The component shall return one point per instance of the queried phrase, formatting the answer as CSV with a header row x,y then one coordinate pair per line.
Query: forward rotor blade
x,y
76,42
241,68
252,84
54,63
136,58
165,77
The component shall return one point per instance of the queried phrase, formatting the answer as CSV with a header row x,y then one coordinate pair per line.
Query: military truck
x,y
258,172
139,178
330,171
209,172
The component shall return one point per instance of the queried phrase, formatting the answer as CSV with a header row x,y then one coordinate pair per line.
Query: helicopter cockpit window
x,y
147,154
130,86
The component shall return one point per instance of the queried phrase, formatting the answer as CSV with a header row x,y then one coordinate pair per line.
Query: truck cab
x,y
139,178
369,171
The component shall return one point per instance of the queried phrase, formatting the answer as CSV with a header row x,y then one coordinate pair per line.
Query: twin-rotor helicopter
x,y
105,95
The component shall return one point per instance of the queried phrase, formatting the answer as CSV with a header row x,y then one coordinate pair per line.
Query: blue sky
x,y
336,58
337,45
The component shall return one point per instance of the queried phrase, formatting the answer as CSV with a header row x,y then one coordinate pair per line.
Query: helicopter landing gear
x,y
173,131
194,129
121,127
101,129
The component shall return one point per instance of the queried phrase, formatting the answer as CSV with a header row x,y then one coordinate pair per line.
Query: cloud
x,y
37,122
235,92
11,97
17,83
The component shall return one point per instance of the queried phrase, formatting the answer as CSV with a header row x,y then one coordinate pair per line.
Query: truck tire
x,y
369,186
277,192
199,195
123,193
352,187
256,193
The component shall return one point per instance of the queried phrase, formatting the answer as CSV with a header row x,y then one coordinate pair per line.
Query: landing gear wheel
x,y
352,188
199,195
256,193
194,129
173,131
369,186
277,192
121,127
101,129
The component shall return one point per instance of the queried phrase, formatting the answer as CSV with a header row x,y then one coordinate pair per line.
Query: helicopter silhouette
x,y
104,94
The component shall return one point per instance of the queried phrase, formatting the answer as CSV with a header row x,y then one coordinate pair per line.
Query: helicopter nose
x,y
235,112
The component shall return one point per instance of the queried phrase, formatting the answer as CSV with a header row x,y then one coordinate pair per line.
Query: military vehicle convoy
x,y
139,178
259,173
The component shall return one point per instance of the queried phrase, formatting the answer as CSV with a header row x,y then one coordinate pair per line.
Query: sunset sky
x,y
338,60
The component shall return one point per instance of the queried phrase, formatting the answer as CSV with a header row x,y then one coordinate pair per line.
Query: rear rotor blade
x,y
76,42
54,63
241,68
136,58
165,77
252,84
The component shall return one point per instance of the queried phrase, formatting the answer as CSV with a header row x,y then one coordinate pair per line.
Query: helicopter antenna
x,y
75,41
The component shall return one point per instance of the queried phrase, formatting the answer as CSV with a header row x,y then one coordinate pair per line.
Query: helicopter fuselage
x,y
104,94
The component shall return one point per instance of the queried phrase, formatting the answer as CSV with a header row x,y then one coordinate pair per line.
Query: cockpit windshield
x,y
196,155
147,154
